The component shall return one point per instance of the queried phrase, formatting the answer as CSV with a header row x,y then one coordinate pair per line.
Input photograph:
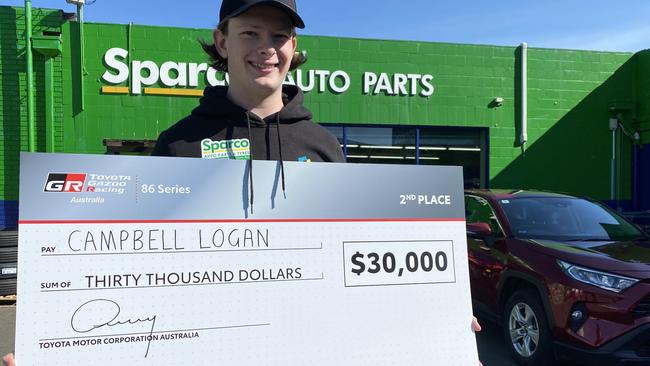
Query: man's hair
x,y
221,64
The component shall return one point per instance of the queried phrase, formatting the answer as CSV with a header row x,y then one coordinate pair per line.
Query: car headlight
x,y
604,280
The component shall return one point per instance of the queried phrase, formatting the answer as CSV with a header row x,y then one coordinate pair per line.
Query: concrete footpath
x,y
7,328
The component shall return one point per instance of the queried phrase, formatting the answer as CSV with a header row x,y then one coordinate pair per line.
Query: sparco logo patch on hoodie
x,y
227,149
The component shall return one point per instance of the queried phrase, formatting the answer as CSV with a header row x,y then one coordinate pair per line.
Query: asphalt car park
x,y
7,326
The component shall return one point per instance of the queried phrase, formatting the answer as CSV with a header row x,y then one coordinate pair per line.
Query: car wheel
x,y
526,329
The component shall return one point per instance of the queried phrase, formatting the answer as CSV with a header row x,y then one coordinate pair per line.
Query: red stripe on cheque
x,y
63,222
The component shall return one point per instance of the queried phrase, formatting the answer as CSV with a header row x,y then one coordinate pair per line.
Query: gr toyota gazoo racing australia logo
x,y
65,182
87,183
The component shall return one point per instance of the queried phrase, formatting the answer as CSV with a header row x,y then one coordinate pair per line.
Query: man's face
x,y
259,48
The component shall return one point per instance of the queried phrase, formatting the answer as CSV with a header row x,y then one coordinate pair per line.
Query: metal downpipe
x,y
613,126
80,16
523,139
31,133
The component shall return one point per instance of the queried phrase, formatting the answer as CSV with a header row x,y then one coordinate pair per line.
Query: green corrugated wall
x,y
13,104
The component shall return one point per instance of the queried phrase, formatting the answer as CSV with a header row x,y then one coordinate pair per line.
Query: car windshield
x,y
565,218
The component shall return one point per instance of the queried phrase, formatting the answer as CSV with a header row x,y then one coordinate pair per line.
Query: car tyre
x,y
8,287
8,238
526,329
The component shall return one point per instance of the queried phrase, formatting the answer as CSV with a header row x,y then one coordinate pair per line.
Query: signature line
x,y
160,332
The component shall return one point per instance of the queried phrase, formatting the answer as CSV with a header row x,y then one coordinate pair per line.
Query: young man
x,y
255,117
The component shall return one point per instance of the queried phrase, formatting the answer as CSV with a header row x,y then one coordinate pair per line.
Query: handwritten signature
x,y
98,313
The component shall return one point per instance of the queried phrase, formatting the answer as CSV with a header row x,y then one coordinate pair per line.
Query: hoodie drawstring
x,y
284,193
250,160
250,163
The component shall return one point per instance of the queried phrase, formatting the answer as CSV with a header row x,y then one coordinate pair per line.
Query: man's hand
x,y
9,360
477,328
475,325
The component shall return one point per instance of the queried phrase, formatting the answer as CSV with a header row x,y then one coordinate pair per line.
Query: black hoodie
x,y
218,128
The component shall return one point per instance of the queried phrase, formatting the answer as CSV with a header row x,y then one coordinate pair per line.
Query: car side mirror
x,y
479,230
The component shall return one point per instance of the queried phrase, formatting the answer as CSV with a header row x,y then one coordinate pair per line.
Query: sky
x,y
603,25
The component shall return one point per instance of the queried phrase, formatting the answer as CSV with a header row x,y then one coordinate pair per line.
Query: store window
x,y
451,146
380,145
455,147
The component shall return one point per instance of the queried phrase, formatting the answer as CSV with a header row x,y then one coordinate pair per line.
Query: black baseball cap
x,y
233,8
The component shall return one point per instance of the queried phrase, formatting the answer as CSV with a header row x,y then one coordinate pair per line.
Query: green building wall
x,y
121,116
571,96
569,93
13,111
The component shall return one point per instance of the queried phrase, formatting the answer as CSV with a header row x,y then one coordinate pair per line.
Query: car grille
x,y
643,308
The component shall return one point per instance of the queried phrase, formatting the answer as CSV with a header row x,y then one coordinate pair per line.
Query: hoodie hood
x,y
215,105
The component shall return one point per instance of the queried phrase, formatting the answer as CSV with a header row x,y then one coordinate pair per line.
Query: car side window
x,y
479,210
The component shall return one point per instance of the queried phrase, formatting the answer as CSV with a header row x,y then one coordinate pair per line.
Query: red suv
x,y
566,277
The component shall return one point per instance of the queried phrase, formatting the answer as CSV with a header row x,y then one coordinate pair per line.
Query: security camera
x,y
498,101
76,2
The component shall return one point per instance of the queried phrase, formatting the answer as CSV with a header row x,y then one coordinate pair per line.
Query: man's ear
x,y
220,42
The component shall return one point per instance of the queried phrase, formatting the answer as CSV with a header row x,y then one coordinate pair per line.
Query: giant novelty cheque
x,y
144,260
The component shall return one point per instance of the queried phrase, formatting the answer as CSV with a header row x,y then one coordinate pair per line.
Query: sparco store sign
x,y
182,78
